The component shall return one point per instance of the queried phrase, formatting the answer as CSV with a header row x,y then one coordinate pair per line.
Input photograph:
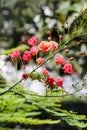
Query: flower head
x,y
26,56
59,82
59,60
34,51
49,81
32,41
25,76
16,54
68,68
40,60
54,45
44,71
44,46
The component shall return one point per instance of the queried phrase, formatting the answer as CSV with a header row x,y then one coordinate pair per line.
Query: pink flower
x,y
59,82
26,56
59,60
32,41
44,46
16,54
49,81
25,76
34,51
68,68
54,45
44,71
40,60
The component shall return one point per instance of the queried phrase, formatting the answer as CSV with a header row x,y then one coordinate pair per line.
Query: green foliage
x,y
20,47
36,75
14,109
21,107
79,22
19,16
78,124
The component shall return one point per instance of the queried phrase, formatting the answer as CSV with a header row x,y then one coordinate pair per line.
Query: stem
x,y
8,89
46,91
48,96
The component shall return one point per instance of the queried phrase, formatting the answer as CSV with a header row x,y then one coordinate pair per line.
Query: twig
x,y
8,89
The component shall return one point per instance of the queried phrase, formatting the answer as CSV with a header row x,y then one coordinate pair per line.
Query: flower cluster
x,y
44,47
51,82
59,60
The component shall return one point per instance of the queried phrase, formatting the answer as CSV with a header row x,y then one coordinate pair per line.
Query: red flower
x,y
44,71
54,45
59,60
50,81
59,82
68,68
26,56
25,76
32,41
16,54
44,46
34,51
40,60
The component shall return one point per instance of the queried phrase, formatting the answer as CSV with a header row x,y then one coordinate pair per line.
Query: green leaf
x,y
74,122
79,22
31,121
21,47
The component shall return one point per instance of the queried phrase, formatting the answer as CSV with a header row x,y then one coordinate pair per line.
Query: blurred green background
x,y
34,17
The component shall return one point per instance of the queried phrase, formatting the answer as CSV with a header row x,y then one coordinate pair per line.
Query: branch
x,y
8,89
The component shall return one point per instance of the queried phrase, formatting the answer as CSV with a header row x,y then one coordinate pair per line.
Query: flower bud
x,y
71,58
78,43
67,51
56,27
49,38
61,36
65,46
49,33
81,53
